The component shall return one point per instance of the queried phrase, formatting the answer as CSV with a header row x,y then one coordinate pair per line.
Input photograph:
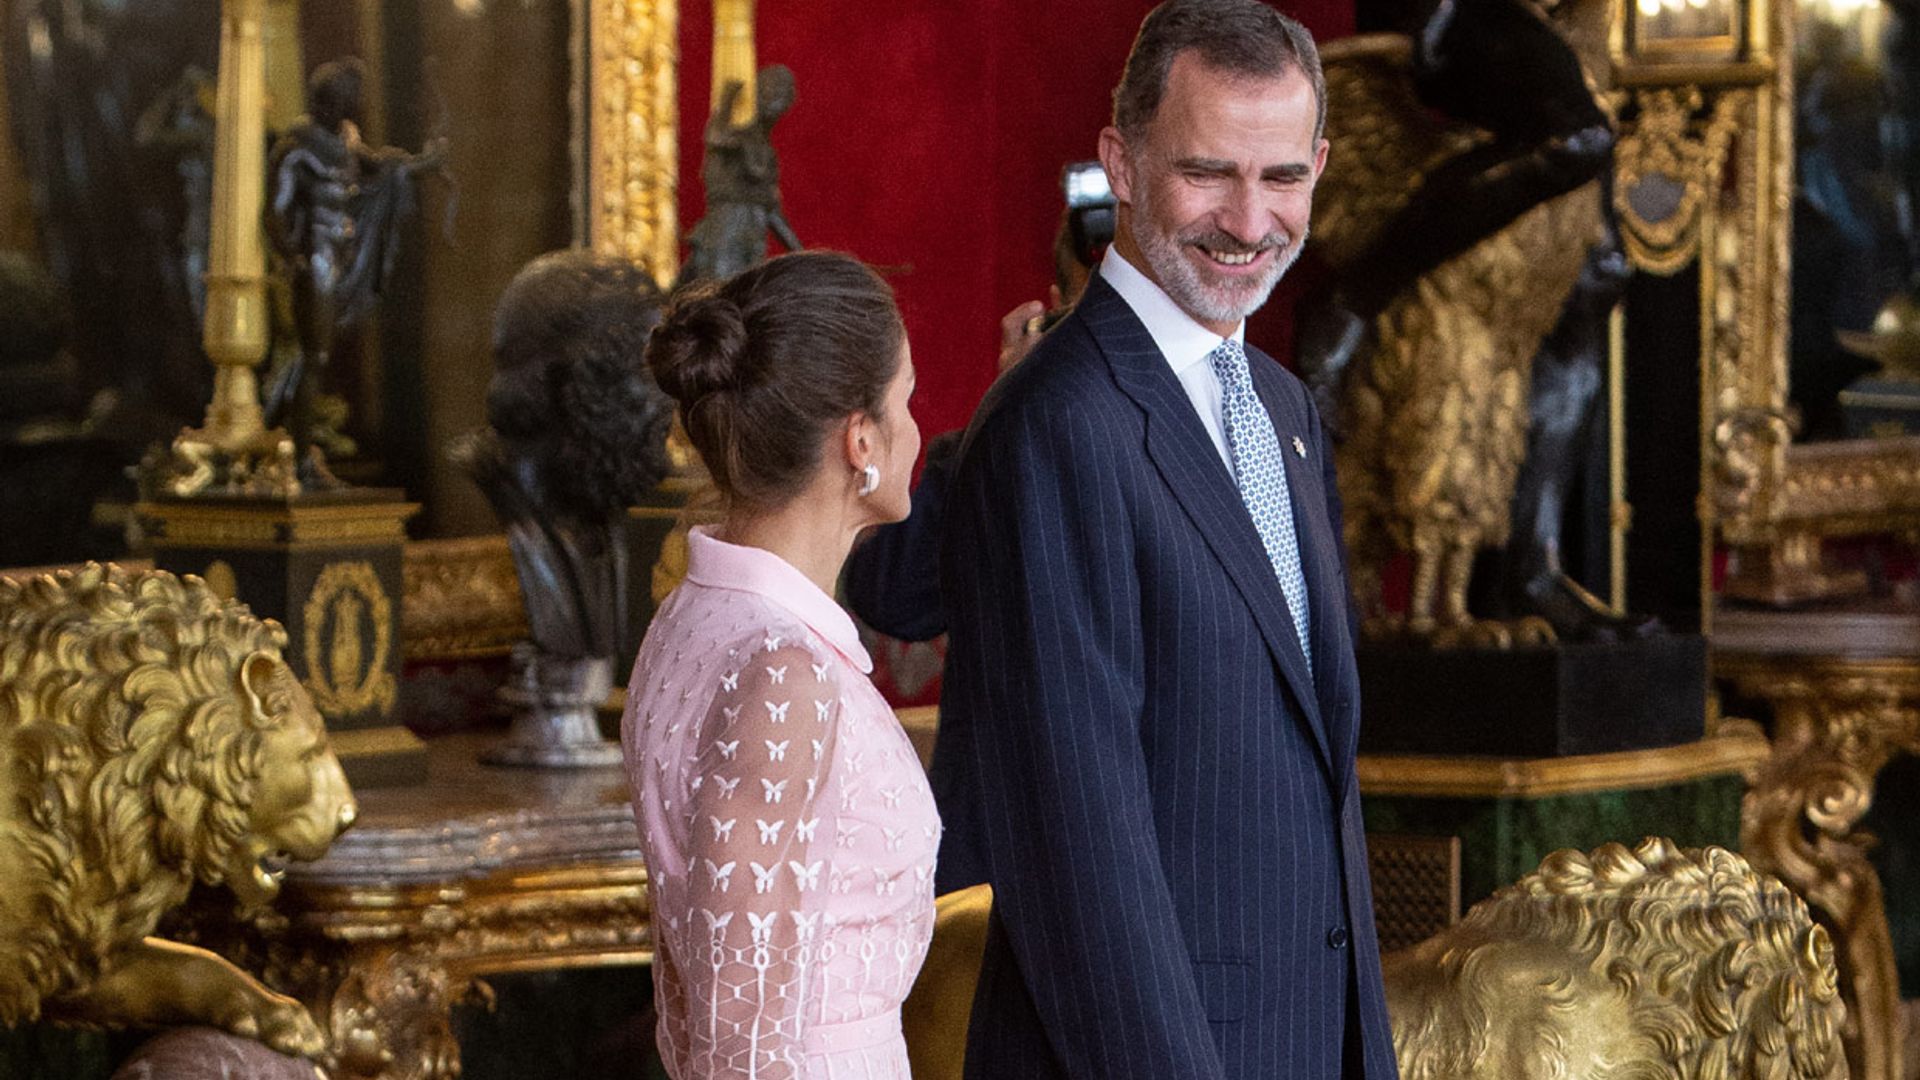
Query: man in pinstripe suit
x,y
1148,726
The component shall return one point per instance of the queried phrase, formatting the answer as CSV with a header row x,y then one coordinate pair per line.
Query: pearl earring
x,y
870,479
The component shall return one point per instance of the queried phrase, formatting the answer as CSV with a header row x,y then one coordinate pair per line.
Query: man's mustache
x,y
1221,243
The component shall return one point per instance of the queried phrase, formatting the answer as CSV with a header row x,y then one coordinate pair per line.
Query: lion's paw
x,y
281,1023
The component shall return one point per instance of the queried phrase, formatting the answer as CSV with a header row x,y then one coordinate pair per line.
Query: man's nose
x,y
1245,215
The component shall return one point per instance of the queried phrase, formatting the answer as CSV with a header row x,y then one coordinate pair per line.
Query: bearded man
x,y
1150,712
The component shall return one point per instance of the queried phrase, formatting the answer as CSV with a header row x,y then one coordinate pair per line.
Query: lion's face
x,y
300,800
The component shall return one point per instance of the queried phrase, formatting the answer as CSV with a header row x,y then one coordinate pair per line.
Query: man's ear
x,y
1320,159
1117,162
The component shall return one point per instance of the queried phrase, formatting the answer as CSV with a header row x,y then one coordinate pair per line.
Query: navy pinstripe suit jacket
x,y
1130,744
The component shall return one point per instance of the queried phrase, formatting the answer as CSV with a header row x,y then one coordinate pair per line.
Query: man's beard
x,y
1218,301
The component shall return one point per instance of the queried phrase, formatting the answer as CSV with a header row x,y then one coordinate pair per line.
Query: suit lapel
x,y
1183,452
1319,548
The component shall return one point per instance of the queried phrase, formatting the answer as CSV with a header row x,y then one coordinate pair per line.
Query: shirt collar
x,y
1182,341
719,565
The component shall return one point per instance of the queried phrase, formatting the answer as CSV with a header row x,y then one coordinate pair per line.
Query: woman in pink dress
x,y
787,825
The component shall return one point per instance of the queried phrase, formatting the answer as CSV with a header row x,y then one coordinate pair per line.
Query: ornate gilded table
x,y
477,871
1845,692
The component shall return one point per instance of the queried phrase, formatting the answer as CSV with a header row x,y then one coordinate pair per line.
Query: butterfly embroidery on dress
x,y
777,751
892,795
762,926
722,830
806,877
763,879
820,672
726,786
805,924
770,831
803,830
777,675
772,642
777,713
717,922
726,749
722,875
820,710
894,836
773,791
730,682
845,831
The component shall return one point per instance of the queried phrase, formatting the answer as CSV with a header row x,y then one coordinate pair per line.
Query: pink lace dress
x,y
788,829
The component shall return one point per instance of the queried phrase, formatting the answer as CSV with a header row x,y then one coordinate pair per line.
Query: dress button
x,y
1337,938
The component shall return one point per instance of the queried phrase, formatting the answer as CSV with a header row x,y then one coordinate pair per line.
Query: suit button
x,y
1337,938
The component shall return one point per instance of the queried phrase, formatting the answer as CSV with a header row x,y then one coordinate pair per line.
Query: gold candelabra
x,y
232,450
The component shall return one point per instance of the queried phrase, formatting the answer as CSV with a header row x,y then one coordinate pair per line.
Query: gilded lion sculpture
x,y
1646,963
1641,964
151,736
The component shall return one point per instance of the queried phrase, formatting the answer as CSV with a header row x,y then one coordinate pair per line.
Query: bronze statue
x,y
1652,962
576,434
1456,247
742,178
151,736
334,216
178,126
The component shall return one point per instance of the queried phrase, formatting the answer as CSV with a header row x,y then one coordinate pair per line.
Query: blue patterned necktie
x,y
1261,474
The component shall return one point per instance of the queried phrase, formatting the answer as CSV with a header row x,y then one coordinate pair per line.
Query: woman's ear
x,y
862,440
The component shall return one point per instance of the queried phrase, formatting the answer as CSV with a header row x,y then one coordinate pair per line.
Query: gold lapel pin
x,y
1299,447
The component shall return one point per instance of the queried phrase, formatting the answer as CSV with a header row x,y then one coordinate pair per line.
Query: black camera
x,y
1090,209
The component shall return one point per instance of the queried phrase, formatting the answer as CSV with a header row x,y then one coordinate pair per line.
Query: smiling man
x,y
1150,712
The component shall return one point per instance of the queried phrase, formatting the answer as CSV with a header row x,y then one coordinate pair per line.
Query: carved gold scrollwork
x,y
1747,442
1836,725
1668,167
345,676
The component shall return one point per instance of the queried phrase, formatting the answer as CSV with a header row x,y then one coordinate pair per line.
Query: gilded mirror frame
x,y
626,124
1704,173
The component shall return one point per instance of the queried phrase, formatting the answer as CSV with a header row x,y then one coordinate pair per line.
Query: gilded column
x,y
734,57
633,159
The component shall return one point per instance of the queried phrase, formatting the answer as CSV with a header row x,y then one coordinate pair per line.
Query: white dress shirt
x,y
1184,343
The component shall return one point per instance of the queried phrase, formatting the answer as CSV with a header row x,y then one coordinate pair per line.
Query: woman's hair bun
x,y
700,347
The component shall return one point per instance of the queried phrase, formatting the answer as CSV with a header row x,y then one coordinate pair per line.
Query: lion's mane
x,y
131,754
1724,972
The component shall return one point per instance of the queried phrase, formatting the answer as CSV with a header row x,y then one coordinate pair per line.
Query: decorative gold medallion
x,y
346,608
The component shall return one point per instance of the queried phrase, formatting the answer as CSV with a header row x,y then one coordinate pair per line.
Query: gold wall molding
x,y
1419,776
632,124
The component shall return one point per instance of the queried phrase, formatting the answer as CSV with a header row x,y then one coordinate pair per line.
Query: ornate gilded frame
x,y
1705,174
626,125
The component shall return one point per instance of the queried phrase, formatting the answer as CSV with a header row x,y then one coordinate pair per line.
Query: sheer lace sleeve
x,y
764,752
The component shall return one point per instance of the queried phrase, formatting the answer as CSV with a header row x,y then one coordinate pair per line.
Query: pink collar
x,y
717,564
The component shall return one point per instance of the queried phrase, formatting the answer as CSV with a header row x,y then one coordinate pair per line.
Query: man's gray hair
x,y
1239,37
